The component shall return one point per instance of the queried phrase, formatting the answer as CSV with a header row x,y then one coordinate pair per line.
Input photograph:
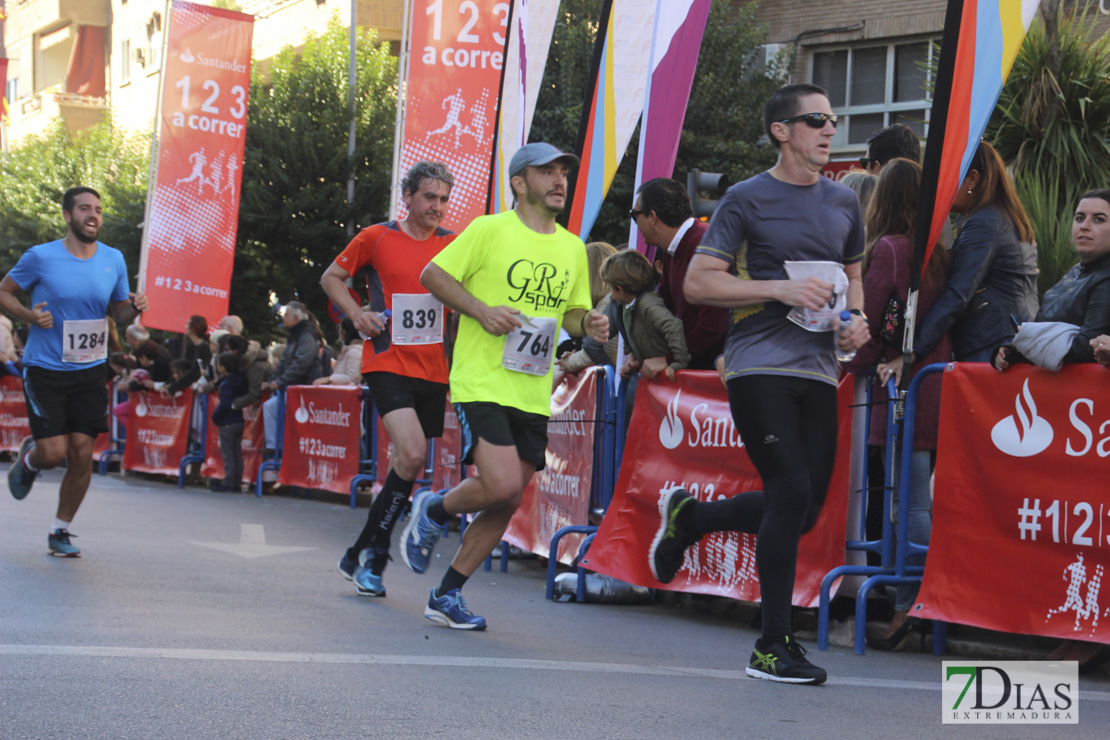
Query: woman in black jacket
x,y
992,269
197,353
1081,300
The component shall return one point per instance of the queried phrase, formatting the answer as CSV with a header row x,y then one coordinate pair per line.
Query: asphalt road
x,y
202,615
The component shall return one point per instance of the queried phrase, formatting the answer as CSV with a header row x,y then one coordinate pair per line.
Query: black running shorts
x,y
61,402
503,425
390,392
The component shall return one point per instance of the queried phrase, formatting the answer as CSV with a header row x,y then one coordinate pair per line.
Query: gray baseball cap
x,y
536,154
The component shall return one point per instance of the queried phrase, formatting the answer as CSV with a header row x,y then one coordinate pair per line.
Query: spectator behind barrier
x,y
1074,320
123,366
890,222
992,273
592,353
156,361
232,324
349,363
893,142
862,184
229,422
665,219
653,337
254,361
135,335
198,356
300,363
325,354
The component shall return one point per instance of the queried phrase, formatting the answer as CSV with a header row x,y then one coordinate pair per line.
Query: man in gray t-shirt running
x,y
780,365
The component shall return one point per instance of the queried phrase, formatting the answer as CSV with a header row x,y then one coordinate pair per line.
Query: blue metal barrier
x,y
117,397
199,451
273,463
368,448
896,541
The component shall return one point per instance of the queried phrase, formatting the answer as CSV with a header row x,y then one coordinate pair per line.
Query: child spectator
x,y
229,421
178,369
652,335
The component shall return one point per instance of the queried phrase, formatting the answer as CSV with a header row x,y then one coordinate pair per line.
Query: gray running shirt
x,y
760,224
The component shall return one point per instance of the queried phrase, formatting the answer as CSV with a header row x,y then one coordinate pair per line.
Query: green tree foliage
x,y
294,209
34,175
723,120
1052,124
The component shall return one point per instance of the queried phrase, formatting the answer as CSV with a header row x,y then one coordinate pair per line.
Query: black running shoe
x,y
666,553
783,660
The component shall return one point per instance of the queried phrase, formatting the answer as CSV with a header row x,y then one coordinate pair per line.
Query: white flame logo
x,y
141,409
1034,434
187,56
302,413
670,429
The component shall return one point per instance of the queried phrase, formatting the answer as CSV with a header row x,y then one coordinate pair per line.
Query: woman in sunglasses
x,y
992,273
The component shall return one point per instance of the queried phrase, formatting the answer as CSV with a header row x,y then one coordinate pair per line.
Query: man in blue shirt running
x,y
73,282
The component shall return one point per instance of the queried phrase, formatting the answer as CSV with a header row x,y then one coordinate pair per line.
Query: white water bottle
x,y
845,322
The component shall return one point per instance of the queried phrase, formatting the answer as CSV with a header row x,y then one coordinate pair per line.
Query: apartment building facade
x,y
84,59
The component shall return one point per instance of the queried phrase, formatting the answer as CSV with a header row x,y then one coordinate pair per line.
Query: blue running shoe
x,y
368,576
60,546
451,610
421,533
368,583
20,478
346,567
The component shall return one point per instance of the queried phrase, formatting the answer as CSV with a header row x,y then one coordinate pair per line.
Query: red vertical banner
x,y
157,432
456,52
321,447
559,495
253,442
13,413
688,438
193,204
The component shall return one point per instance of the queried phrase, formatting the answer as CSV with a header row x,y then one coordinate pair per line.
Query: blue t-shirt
x,y
760,224
74,290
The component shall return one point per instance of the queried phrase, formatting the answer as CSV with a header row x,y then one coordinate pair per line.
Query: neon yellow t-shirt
x,y
502,262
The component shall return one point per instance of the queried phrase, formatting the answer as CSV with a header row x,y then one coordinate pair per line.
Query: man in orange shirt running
x,y
407,370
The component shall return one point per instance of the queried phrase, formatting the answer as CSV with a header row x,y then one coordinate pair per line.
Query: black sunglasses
x,y
865,162
813,120
634,213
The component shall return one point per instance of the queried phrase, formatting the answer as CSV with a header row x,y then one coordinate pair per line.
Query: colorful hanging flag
x,y
614,101
679,27
981,40
3,90
532,24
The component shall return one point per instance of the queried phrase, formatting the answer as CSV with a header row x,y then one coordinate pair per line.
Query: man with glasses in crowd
x,y
781,369
890,143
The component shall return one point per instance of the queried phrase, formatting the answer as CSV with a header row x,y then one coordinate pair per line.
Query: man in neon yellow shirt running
x,y
515,278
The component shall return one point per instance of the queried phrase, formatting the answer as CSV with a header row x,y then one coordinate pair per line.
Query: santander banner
x,y
1021,476
559,495
157,432
456,52
688,438
253,442
13,413
193,204
322,432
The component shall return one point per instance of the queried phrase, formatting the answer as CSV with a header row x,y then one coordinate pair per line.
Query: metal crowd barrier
x,y
894,542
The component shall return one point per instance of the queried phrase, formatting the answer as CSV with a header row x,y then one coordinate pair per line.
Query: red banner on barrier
x,y
559,495
1021,517
193,204
253,442
322,433
13,413
682,434
456,51
157,432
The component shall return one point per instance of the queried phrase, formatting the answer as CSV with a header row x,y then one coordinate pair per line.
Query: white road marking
x,y
252,544
445,661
